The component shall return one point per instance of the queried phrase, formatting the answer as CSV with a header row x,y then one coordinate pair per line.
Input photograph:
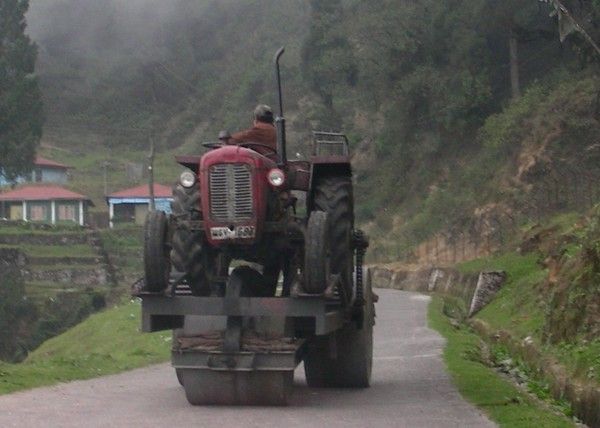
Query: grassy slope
x,y
497,397
107,342
521,305
516,307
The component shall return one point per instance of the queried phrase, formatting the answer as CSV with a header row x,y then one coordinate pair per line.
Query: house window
x,y
38,213
38,175
66,212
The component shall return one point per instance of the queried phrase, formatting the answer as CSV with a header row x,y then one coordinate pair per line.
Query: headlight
x,y
187,179
276,177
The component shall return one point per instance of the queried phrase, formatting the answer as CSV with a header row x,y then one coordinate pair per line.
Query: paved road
x,y
410,389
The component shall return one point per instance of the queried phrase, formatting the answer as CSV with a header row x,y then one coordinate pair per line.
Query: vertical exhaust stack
x,y
279,120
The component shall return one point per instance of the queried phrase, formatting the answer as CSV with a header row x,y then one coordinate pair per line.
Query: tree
x,y
15,310
516,22
327,57
21,115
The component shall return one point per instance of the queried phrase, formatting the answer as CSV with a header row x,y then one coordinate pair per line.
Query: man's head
x,y
263,113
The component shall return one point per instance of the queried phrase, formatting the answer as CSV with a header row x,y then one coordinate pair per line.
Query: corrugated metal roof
x,y
41,193
143,191
40,161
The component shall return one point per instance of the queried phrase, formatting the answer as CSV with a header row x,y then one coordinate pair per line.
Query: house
x,y
44,171
132,205
44,203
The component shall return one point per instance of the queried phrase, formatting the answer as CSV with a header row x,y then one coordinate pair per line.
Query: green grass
x,y
40,229
517,307
74,251
78,250
582,359
105,343
88,171
503,402
64,267
520,306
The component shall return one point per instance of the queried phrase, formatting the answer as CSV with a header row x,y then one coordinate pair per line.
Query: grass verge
x,y
499,398
106,343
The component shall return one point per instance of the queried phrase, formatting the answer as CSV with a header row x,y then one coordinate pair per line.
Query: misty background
x,y
456,110
124,66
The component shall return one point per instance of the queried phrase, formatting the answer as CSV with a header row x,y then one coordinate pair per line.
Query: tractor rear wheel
x,y
157,267
333,195
355,346
188,253
353,361
318,365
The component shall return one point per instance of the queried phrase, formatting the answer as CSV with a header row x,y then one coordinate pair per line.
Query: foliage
x,y
327,57
15,312
20,98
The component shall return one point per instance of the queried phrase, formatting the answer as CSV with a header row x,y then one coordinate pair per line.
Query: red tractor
x,y
297,292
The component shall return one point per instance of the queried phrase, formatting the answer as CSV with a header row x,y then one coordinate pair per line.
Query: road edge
x,y
497,397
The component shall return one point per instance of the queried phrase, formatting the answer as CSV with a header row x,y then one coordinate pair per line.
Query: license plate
x,y
239,232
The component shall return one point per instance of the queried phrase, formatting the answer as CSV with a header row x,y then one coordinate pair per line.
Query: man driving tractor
x,y
262,132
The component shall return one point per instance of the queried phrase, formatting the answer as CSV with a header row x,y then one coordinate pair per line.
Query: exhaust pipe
x,y
279,120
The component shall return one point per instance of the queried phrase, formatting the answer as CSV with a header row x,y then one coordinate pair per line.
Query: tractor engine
x,y
235,193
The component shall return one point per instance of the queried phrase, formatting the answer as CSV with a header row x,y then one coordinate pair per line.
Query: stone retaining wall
x,y
81,277
12,257
91,260
476,290
41,239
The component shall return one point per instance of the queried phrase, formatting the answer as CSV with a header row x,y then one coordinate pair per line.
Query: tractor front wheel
x,y
157,267
189,253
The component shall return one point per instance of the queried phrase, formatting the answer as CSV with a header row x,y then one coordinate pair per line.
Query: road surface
x,y
410,389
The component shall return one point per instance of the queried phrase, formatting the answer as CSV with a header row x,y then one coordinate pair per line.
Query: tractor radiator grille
x,y
231,192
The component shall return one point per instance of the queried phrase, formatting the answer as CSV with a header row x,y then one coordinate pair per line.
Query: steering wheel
x,y
249,145
212,144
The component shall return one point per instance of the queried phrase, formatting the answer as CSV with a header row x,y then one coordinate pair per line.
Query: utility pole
x,y
514,65
568,24
105,167
152,147
151,173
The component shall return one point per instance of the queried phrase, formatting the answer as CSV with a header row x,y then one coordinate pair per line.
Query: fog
x,y
85,27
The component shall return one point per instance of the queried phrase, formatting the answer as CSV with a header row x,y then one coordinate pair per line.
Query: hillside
x,y
446,142
536,158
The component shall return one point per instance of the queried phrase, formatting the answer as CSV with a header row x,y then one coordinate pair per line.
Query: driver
x,y
262,131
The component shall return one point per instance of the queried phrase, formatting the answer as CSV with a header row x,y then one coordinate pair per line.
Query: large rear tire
x,y
318,366
157,267
189,253
352,366
355,346
333,195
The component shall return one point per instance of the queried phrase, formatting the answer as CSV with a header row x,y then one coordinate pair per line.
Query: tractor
x,y
252,284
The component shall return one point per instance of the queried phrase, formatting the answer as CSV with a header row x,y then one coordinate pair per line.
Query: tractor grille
x,y
231,192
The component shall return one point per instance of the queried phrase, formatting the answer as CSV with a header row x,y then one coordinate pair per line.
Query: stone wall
x,y
41,239
12,258
475,289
